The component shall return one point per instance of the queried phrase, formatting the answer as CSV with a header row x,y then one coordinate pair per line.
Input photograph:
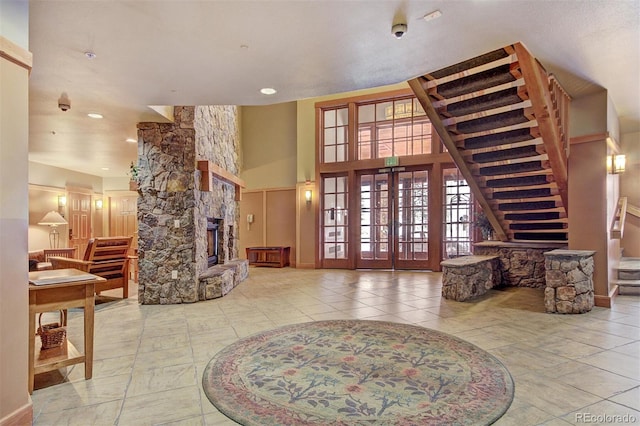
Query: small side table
x,y
54,290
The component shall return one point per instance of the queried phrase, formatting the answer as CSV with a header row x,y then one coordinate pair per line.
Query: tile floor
x,y
149,360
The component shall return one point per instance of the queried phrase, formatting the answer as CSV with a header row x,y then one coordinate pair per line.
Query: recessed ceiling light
x,y
433,15
90,55
244,46
105,168
268,91
94,115
132,140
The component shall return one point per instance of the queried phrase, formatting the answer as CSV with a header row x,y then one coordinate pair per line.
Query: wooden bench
x,y
276,256
466,277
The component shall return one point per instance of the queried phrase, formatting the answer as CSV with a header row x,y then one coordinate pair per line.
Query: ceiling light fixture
x,y
90,55
433,15
95,115
132,140
105,168
268,91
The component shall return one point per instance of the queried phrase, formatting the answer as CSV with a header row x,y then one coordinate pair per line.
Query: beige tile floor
x,y
149,360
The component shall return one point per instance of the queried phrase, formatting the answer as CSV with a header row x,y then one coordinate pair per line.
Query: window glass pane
x,y
329,185
329,118
341,135
341,184
341,153
329,154
384,111
366,113
342,117
329,201
329,137
417,108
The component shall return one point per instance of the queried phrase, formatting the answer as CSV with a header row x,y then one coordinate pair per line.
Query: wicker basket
x,y
53,335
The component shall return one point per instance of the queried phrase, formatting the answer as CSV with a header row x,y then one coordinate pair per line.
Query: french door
x,y
393,221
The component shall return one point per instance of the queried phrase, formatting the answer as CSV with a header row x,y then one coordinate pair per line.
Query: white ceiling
x,y
187,52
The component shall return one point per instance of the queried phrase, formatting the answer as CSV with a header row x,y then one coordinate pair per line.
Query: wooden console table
x,y
268,256
54,290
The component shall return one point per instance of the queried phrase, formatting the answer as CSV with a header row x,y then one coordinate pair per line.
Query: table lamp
x,y
53,219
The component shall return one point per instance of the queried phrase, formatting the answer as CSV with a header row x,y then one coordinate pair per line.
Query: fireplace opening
x,y
214,241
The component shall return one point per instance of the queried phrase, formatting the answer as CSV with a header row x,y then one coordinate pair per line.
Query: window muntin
x,y
392,128
334,135
413,215
457,235
334,214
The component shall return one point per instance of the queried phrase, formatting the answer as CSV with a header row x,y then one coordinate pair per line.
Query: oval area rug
x,y
356,372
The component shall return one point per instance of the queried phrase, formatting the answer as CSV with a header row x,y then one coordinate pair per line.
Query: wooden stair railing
x,y
619,217
504,122
633,210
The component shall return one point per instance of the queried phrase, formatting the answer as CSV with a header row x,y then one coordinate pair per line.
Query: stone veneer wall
x,y
522,264
169,191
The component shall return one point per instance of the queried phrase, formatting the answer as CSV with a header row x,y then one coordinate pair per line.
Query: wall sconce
x,y
98,204
308,194
616,163
62,201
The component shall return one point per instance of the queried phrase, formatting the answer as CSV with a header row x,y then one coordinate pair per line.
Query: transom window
x,y
389,128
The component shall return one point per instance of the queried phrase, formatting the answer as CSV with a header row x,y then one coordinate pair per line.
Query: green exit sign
x,y
391,161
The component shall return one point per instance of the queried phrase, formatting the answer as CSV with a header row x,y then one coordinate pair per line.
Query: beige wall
x,y
588,228
630,188
588,115
15,403
269,146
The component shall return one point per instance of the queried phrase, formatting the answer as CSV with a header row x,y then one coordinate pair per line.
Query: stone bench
x,y
466,277
219,280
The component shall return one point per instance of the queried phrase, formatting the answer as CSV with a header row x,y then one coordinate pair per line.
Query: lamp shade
x,y
52,218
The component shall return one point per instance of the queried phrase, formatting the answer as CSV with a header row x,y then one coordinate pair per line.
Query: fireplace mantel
x,y
209,171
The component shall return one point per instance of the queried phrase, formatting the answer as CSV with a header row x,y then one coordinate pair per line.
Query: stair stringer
x,y
504,123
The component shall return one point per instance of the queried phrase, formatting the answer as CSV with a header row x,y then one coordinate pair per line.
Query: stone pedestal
x,y
467,277
569,280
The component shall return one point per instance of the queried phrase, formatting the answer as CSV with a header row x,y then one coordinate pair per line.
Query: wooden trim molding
x,y
210,171
21,416
595,137
16,54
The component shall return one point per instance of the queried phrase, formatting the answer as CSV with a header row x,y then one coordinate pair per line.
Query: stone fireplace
x,y
176,217
215,249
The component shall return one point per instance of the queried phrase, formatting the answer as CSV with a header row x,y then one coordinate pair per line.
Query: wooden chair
x,y
106,257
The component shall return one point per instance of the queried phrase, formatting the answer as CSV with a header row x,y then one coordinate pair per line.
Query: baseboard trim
x,y
23,416
306,266
603,301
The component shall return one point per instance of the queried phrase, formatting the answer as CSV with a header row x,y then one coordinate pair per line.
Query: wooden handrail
x,y
536,78
633,210
619,217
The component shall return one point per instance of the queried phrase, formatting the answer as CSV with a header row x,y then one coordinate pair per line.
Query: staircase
x,y
504,121
628,271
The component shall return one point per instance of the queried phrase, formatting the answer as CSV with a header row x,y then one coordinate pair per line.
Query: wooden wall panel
x,y
274,220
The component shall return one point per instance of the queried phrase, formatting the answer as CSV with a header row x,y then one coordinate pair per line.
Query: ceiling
x,y
207,52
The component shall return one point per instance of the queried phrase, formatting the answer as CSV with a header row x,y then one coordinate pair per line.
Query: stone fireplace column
x,y
172,211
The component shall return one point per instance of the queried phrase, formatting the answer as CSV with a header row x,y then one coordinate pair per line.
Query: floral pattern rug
x,y
357,372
